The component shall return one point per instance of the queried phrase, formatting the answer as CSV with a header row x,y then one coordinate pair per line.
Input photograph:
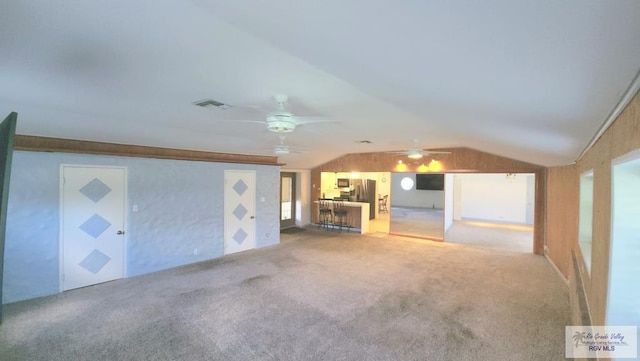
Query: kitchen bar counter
x,y
357,214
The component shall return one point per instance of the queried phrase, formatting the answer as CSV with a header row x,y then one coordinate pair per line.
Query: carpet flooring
x,y
422,222
494,235
319,295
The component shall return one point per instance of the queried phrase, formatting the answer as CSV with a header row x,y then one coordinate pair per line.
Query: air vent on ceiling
x,y
210,104
363,141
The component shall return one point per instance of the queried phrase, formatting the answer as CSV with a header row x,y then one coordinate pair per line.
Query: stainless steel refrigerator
x,y
364,190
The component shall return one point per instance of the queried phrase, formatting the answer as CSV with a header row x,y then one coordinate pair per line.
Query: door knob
x,y
252,217
120,232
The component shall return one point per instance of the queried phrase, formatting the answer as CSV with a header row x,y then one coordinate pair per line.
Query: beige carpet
x,y
319,295
422,222
492,235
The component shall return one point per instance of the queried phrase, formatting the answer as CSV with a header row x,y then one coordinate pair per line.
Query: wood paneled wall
x,y
561,217
461,160
622,137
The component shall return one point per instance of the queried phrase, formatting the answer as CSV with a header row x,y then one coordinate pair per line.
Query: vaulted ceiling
x,y
530,80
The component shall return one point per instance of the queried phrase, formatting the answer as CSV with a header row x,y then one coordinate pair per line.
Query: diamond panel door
x,y
239,210
93,204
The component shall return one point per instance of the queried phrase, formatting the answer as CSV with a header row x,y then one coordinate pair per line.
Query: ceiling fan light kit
x,y
280,123
415,154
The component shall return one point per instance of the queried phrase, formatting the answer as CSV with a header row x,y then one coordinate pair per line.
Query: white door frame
x,y
61,220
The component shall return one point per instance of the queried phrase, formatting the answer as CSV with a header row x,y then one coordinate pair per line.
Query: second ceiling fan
x,y
417,152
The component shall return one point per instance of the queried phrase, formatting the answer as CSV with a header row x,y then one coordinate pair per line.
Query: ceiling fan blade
x,y
241,121
427,152
398,152
309,120
280,150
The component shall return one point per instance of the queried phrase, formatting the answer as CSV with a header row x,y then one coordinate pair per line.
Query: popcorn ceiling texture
x,y
180,208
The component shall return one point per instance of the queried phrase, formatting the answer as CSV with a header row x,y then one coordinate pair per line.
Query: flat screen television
x,y
430,182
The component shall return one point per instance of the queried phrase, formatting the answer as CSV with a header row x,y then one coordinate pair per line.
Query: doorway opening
x,y
491,210
288,200
417,205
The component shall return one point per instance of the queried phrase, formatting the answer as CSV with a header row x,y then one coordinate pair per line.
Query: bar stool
x,y
325,218
340,218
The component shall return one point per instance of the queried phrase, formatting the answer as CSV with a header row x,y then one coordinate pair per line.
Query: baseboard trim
x,y
553,265
435,239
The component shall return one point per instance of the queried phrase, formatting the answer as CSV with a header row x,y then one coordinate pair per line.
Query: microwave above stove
x,y
342,182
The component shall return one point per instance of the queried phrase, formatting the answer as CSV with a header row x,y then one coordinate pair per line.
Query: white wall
x,y
303,196
180,209
303,213
414,197
493,197
457,198
448,201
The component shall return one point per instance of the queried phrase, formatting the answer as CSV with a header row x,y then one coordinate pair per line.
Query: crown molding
x,y
46,144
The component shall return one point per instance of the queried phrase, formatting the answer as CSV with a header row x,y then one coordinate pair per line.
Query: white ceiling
x,y
530,80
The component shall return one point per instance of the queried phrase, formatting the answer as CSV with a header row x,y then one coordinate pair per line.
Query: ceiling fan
x,y
282,121
279,120
417,152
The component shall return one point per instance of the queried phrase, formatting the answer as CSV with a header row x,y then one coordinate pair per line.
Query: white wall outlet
x,y
135,208
195,252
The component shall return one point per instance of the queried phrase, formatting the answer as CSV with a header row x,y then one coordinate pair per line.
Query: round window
x,y
406,183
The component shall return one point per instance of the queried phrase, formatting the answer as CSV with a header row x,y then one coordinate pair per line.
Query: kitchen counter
x,y
357,214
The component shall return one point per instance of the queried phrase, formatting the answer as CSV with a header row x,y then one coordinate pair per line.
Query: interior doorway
x,y
624,286
417,205
491,210
288,200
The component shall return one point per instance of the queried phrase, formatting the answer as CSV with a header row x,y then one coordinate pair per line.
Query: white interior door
x,y
239,210
92,225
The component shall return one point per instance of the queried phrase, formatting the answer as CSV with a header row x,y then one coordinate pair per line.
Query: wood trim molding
x,y
45,144
580,312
